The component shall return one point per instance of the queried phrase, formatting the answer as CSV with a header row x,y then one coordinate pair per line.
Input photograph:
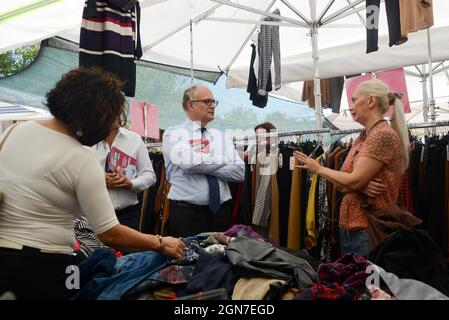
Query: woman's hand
x,y
173,247
306,162
374,188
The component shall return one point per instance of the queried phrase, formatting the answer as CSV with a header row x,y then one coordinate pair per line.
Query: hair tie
x,y
392,96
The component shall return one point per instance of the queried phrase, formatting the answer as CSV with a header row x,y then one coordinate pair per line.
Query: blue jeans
x,y
354,242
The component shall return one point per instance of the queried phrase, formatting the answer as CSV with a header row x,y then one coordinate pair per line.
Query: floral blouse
x,y
381,143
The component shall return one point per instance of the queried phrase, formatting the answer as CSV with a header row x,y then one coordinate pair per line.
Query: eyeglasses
x,y
208,102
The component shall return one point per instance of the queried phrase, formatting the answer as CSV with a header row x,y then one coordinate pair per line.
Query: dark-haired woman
x,y
48,179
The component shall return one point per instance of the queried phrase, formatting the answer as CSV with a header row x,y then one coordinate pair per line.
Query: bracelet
x,y
161,243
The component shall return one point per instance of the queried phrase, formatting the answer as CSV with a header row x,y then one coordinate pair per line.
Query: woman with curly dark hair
x,y
48,179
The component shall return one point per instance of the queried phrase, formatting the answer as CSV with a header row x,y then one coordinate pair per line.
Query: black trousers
x,y
394,24
129,216
189,220
33,275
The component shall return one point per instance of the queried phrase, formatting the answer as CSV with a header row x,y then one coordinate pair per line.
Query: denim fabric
x,y
354,242
93,270
137,267
128,271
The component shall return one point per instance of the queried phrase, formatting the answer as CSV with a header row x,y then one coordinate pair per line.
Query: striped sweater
x,y
110,38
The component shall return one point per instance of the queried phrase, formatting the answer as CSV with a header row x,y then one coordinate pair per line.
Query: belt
x,y
198,206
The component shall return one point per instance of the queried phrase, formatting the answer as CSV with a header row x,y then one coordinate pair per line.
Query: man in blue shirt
x,y
199,161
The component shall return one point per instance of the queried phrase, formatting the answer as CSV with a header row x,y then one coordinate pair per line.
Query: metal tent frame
x,y
315,22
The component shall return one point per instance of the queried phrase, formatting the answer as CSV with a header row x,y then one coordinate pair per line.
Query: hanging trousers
x,y
372,21
269,48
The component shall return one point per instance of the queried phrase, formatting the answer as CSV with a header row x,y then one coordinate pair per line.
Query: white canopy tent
x,y
221,30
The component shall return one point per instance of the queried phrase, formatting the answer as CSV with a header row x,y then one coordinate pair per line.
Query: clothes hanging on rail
x,y
372,24
269,49
252,87
415,15
331,92
110,39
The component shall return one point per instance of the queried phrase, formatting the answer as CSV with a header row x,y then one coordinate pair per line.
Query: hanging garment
x,y
266,168
269,48
312,232
394,24
326,253
405,190
446,199
434,182
252,87
336,91
262,207
309,95
108,39
284,178
415,15
144,119
273,231
294,225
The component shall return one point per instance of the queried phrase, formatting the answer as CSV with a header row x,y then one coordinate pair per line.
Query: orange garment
x,y
382,143
415,15
309,96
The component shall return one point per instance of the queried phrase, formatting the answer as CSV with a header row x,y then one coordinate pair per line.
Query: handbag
x,y
384,221
7,133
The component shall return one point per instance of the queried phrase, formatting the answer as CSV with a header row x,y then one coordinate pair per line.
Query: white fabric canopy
x,y
219,43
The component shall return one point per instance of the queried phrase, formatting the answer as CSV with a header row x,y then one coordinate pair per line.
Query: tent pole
x,y
316,65
425,95
191,52
432,100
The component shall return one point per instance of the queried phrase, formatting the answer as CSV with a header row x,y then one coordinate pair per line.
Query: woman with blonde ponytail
x,y
373,167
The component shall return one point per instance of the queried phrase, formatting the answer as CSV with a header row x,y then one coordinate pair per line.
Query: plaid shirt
x,y
349,271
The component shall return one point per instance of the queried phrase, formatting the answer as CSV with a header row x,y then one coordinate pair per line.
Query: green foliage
x,y
240,117
14,61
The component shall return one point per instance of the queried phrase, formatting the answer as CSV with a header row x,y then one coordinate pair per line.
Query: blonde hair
x,y
384,99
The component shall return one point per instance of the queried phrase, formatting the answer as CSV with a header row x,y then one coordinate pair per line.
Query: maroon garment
x,y
236,204
332,291
240,229
348,271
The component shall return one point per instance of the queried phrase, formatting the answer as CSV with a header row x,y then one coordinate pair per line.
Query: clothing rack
x,y
332,132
